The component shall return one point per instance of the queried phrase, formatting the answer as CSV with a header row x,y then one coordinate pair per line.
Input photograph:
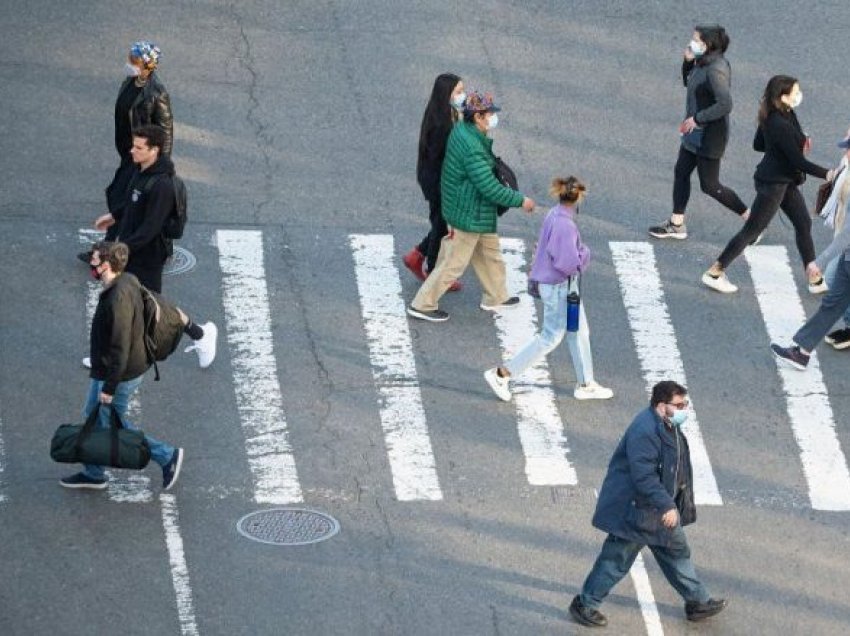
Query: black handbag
x,y
507,178
87,443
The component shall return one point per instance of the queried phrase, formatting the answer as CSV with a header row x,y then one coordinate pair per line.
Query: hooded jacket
x,y
117,345
151,106
709,102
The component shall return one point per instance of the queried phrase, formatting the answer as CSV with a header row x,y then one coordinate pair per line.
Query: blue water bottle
x,y
573,304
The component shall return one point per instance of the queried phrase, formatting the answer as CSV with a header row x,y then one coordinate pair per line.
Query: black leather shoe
x,y
585,615
700,611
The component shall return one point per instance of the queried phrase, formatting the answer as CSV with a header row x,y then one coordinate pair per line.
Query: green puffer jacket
x,y
470,190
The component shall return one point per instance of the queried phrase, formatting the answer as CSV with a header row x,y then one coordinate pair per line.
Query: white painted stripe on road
x,y
179,569
255,377
824,463
123,487
394,369
541,431
657,348
645,597
2,461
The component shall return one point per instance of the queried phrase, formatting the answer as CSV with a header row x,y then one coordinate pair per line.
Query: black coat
x,y
432,151
151,201
781,138
117,334
151,106
709,101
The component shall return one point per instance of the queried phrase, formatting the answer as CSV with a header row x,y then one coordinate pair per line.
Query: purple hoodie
x,y
560,252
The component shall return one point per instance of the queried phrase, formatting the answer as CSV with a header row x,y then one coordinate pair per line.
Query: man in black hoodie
x,y
151,202
118,361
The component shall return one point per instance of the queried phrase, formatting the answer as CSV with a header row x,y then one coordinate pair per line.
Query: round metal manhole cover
x,y
180,261
288,526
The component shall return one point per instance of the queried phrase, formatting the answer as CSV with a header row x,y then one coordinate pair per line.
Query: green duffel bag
x,y
87,443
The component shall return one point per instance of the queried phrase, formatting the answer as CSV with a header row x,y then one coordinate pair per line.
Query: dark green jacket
x,y
470,190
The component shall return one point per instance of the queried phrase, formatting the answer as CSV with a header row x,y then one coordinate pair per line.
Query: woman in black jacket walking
x,y
447,99
777,177
705,130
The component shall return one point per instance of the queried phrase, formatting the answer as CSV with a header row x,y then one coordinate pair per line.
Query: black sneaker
x,y
586,616
695,611
85,257
437,315
839,339
511,302
791,355
171,471
668,230
81,480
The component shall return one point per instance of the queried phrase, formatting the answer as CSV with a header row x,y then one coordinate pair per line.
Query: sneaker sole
x,y
421,316
840,346
496,388
678,237
498,307
593,397
177,469
788,362
84,486
815,292
708,282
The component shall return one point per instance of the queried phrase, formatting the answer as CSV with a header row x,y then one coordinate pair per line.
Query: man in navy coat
x,y
646,500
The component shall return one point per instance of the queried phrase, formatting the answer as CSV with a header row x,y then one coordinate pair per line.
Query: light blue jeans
x,y
161,452
829,276
554,299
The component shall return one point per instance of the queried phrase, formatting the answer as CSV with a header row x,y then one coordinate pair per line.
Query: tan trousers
x,y
457,251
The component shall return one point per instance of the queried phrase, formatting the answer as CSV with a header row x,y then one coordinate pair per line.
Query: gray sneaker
x,y
668,230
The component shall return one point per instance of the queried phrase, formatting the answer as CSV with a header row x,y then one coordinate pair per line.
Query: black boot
x,y
700,611
585,615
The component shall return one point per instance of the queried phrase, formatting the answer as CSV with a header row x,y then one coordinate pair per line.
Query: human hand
x,y
807,145
688,125
813,271
670,518
104,221
528,204
105,398
689,55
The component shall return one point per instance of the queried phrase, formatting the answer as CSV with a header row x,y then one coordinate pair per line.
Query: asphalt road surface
x,y
296,132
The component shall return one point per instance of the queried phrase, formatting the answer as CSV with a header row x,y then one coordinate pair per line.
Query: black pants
x,y
430,245
150,277
770,197
709,181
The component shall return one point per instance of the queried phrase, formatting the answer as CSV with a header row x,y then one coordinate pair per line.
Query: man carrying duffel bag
x,y
118,361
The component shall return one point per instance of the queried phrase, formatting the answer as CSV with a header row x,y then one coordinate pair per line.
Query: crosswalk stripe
x,y
657,348
123,487
541,431
255,376
394,369
179,568
824,463
645,597
2,461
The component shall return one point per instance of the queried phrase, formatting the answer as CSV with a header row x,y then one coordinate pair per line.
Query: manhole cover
x,y
288,526
179,262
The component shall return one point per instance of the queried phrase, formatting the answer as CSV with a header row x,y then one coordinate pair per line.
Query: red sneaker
x,y
414,260
456,286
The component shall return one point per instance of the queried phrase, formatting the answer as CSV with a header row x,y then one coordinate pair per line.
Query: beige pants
x,y
457,251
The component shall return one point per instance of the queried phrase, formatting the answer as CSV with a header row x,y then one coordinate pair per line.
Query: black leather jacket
x,y
152,106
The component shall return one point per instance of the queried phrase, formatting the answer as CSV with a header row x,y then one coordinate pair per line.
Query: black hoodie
x,y
151,201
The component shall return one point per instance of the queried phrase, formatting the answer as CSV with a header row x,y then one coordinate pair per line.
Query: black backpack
x,y
163,327
176,221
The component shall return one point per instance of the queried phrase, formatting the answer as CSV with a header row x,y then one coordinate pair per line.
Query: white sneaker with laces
x,y
87,362
819,287
206,346
498,384
721,283
592,391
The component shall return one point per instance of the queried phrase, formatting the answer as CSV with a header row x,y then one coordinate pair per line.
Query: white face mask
x,y
797,100
131,70
697,48
493,121
458,100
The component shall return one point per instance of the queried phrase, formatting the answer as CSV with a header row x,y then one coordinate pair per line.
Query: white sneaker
x,y
721,283
87,362
498,384
206,346
592,391
819,287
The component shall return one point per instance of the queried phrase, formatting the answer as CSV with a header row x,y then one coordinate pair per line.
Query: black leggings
x,y
430,245
709,181
770,197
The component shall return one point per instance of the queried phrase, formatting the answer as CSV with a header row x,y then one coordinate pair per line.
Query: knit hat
x,y
147,52
477,102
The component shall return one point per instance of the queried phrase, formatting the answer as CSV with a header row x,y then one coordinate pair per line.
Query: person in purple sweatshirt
x,y
559,260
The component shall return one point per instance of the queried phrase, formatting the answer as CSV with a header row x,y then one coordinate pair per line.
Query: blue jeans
x,y
835,303
554,299
618,555
829,275
161,453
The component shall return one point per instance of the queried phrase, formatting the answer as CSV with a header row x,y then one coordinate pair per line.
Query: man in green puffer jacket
x,y
470,195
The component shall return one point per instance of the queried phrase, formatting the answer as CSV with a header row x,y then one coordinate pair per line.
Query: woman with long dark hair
x,y
441,113
705,129
777,179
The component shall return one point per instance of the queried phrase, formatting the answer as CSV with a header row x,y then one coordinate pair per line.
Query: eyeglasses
x,y
679,406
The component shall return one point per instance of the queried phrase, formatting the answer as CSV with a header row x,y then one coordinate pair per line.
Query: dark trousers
x,y
709,181
831,308
150,277
430,245
771,197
